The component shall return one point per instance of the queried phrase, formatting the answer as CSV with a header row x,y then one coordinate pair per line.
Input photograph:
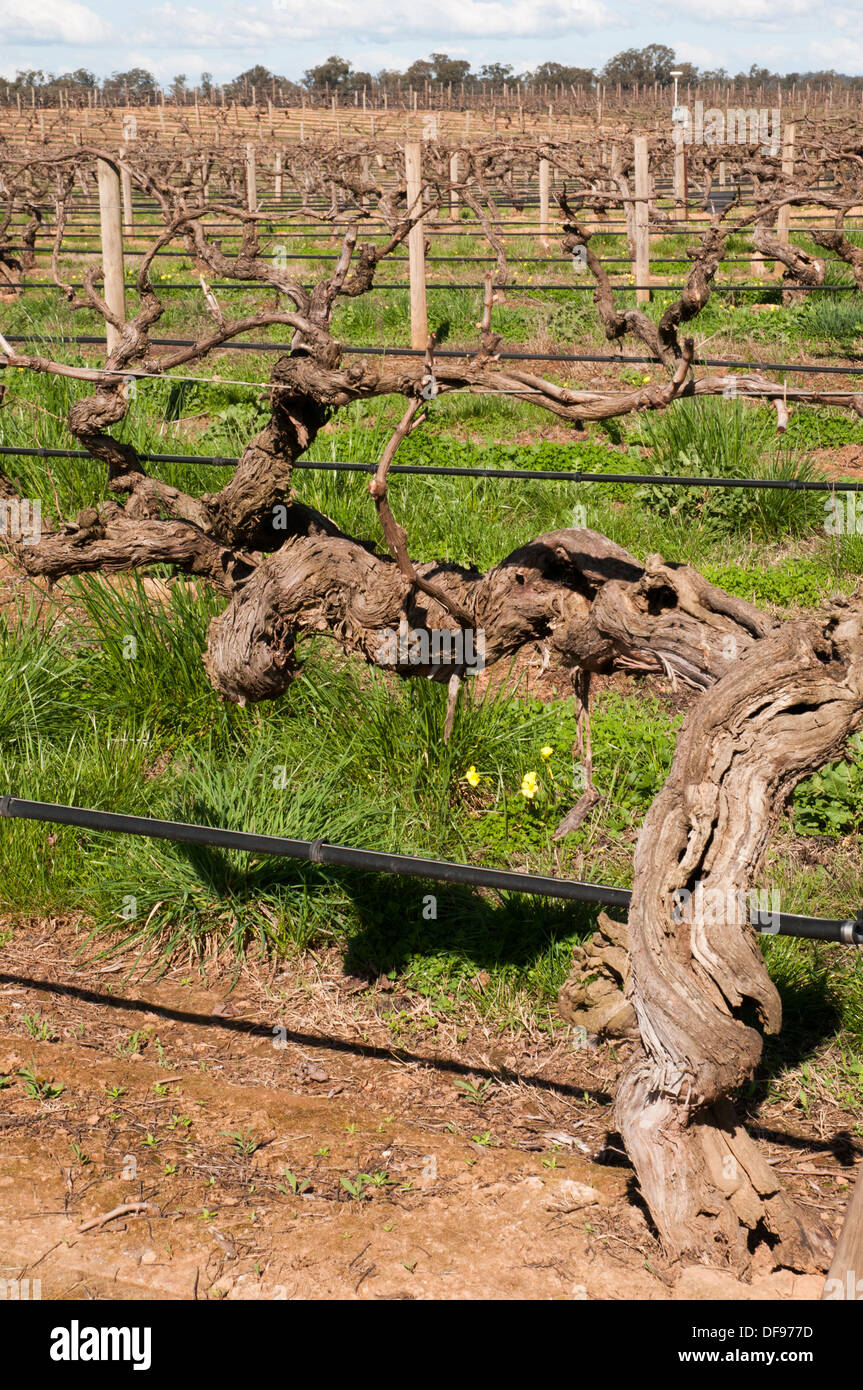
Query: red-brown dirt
x,y
178,1093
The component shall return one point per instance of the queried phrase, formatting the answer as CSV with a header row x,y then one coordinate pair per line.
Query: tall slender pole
x,y
453,178
679,168
128,215
642,239
783,219
251,179
112,246
416,246
544,188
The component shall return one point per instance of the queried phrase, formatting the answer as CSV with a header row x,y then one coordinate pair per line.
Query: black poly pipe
x,y
441,470
402,865
242,286
613,357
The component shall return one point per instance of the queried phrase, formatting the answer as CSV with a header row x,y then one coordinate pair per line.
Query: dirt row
x,y
273,1141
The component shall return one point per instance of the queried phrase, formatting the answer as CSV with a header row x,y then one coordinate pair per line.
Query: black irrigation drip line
x,y
805,367
845,931
443,226
334,256
524,229
541,475
801,367
457,285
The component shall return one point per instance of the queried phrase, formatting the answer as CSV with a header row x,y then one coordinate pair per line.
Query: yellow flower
x,y
645,378
472,776
546,752
529,785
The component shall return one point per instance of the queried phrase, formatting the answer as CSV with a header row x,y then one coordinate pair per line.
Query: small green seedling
x,y
355,1187
37,1027
297,1185
39,1087
243,1141
476,1091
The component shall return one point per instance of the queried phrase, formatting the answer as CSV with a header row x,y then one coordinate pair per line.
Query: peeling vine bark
x,y
601,609
785,708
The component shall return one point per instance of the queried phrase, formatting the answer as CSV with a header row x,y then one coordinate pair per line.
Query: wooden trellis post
x,y
128,215
416,247
642,238
277,170
251,179
544,187
680,172
453,179
112,246
784,216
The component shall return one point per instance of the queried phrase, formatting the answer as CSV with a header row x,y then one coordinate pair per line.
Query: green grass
x,y
343,757
836,317
728,439
111,708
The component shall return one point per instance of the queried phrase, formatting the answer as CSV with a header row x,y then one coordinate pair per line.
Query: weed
x,y
244,1142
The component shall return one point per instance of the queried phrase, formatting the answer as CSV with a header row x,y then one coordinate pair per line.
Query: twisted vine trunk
x,y
596,604
774,704
697,976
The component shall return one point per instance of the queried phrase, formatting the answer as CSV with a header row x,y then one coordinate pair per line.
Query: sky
x,y
225,37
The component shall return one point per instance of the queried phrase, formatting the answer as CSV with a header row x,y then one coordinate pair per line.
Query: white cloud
x,y
695,53
51,21
848,58
390,21
169,27
288,36
477,18
748,14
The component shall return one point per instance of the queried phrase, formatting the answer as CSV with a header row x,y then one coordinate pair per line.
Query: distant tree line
x,y
337,77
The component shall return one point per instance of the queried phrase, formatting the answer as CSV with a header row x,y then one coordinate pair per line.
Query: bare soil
x,y
844,462
194,1092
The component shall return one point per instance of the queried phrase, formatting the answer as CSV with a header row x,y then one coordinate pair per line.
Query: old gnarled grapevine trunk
x,y
775,704
698,978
